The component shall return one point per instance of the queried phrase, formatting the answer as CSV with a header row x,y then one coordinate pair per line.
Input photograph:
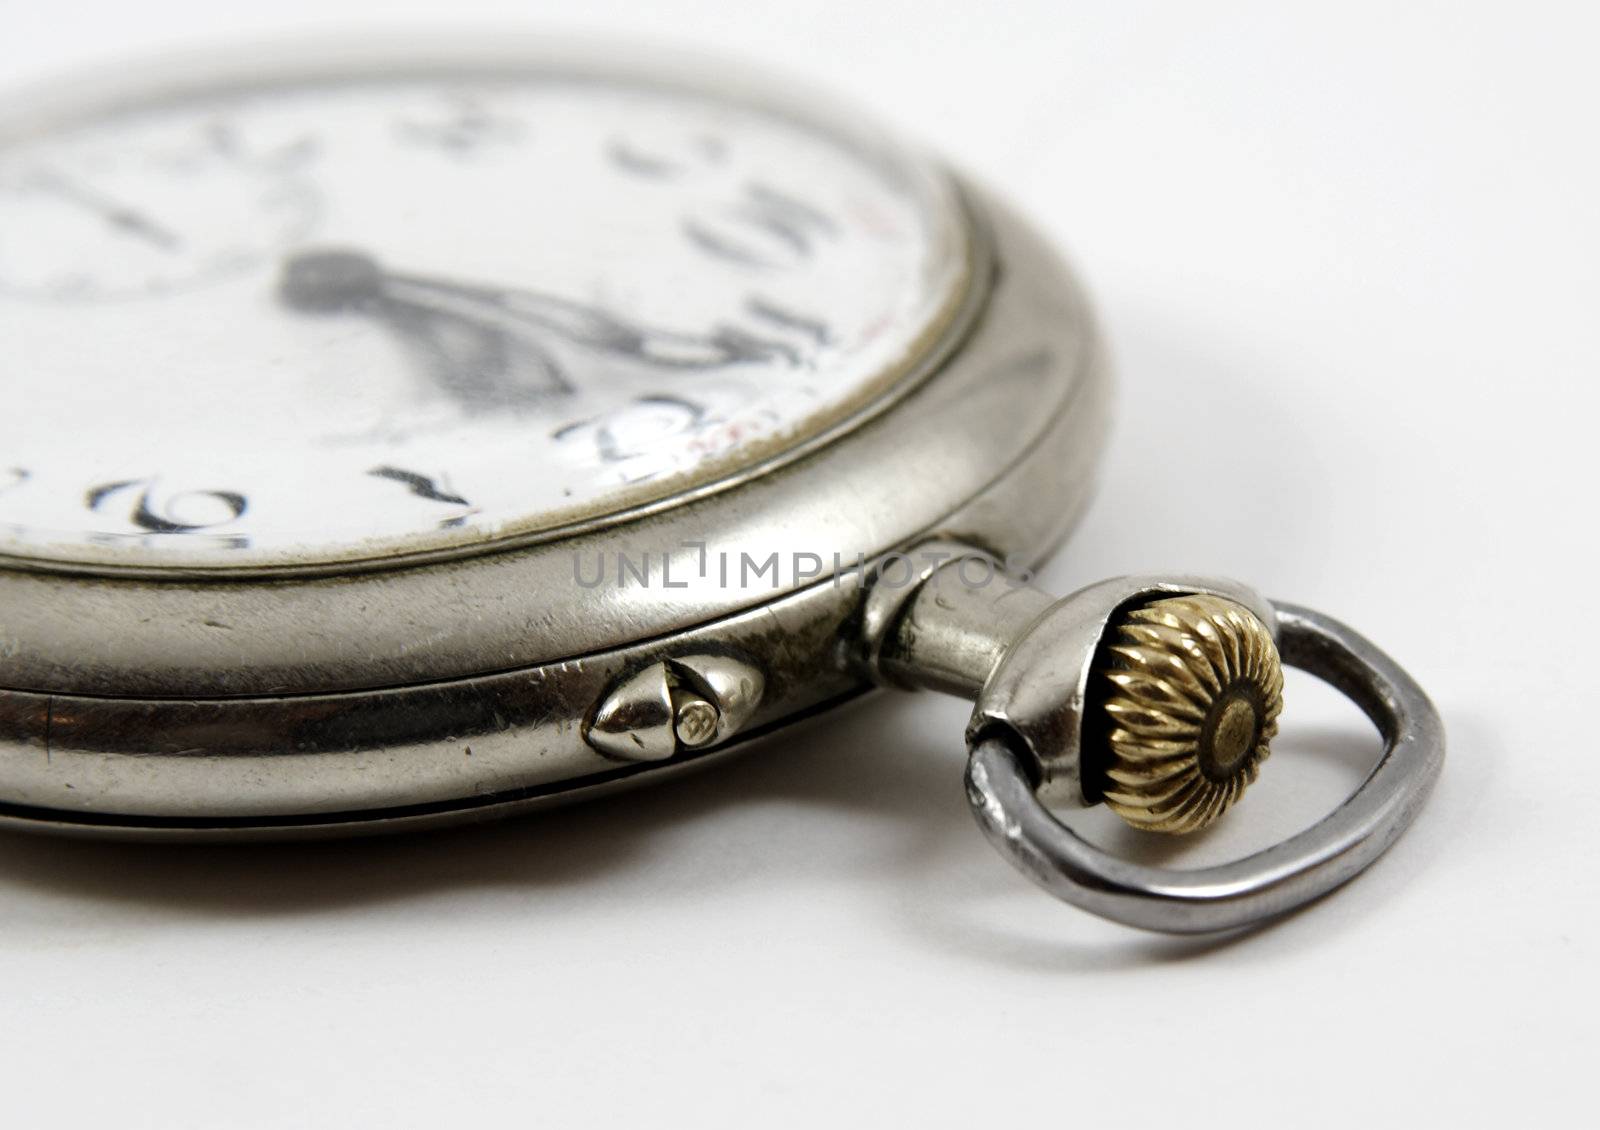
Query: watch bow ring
x,y
401,434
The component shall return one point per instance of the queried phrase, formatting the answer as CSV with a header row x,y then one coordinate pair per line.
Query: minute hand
x,y
591,327
329,280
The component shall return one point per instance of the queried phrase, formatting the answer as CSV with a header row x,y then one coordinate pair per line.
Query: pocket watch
x,y
398,435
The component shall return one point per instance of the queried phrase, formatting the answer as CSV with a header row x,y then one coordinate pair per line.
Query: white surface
x,y
232,379
1348,261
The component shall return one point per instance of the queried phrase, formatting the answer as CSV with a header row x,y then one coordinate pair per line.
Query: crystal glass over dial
x,y
321,322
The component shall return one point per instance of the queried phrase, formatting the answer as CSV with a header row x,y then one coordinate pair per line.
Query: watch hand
x,y
120,216
477,363
325,280
671,349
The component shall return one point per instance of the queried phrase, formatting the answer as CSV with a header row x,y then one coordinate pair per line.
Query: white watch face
x,y
333,321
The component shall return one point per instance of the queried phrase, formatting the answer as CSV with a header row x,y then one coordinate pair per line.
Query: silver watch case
x,y
416,692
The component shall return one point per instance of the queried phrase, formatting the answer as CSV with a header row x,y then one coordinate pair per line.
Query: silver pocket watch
x,y
402,436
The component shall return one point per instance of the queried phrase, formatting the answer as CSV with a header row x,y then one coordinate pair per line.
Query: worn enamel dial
x,y
310,322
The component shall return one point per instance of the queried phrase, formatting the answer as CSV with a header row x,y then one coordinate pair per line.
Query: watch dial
x,y
299,324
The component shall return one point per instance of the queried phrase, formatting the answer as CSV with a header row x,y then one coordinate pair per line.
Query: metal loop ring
x,y
1261,886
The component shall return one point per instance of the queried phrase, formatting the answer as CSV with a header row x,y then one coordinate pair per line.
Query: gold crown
x,y
1196,687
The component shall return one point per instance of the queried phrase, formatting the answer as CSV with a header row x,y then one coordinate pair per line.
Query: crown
x,y
1192,687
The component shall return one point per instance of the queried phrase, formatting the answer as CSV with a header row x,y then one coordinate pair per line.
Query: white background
x,y
1349,258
